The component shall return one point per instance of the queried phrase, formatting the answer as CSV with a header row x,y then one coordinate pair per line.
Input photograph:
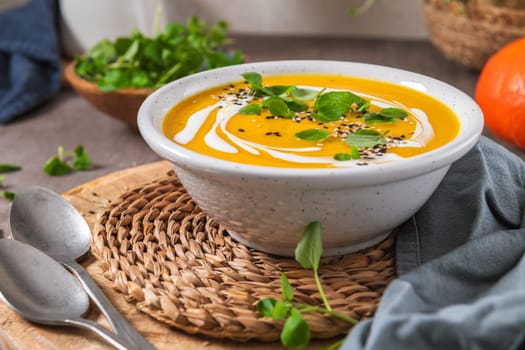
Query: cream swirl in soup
x,y
306,120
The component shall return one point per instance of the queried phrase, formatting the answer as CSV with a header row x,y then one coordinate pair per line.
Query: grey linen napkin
x,y
461,261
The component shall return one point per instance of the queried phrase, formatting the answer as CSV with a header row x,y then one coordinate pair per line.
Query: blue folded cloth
x,y
29,57
461,261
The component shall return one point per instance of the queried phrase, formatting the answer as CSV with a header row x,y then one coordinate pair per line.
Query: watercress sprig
x,y
296,333
137,61
58,165
280,100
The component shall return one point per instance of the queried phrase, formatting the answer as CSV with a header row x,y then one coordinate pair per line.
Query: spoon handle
x,y
99,330
122,328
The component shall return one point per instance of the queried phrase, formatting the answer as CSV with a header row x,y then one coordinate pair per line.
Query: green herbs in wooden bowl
x,y
116,76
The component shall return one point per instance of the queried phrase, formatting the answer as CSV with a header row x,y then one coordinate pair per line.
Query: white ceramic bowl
x,y
268,208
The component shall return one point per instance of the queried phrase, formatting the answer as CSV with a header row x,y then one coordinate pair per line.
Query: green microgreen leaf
x,y
278,90
309,249
386,115
253,78
265,306
355,153
82,160
250,109
296,105
295,333
304,94
278,107
2,179
363,107
372,118
56,167
7,168
287,290
365,138
281,310
342,157
9,195
331,106
393,113
313,135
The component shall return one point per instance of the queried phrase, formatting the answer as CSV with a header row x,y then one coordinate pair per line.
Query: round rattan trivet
x,y
182,268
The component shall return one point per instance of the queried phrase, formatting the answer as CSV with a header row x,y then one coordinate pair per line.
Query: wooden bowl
x,y
121,104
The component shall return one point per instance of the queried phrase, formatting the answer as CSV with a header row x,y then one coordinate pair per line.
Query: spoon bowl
x,y
38,287
42,291
46,221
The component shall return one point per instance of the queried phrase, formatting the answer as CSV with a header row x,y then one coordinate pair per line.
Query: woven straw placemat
x,y
182,268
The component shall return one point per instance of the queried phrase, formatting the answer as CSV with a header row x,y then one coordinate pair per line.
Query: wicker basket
x,y
471,32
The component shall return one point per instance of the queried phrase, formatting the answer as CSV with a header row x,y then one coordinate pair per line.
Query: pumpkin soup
x,y
310,120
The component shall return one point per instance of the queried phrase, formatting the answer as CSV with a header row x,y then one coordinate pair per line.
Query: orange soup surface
x,y
310,121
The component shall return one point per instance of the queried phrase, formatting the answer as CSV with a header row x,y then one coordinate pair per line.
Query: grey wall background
x,y
85,22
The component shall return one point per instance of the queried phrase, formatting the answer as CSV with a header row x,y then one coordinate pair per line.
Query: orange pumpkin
x,y
500,92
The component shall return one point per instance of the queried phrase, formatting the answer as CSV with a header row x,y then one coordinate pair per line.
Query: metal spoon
x,y
45,220
42,291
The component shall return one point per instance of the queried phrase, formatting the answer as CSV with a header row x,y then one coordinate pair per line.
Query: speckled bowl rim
x,y
469,113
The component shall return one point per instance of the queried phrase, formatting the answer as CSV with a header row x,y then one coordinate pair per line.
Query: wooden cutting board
x,y
89,198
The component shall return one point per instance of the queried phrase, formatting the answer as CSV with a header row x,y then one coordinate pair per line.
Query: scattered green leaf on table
x,y
7,168
8,195
58,165
82,160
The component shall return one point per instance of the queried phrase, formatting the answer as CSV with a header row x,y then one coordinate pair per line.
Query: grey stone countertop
x,y
68,120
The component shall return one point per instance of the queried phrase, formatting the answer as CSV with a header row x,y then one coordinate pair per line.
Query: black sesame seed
x,y
241,130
